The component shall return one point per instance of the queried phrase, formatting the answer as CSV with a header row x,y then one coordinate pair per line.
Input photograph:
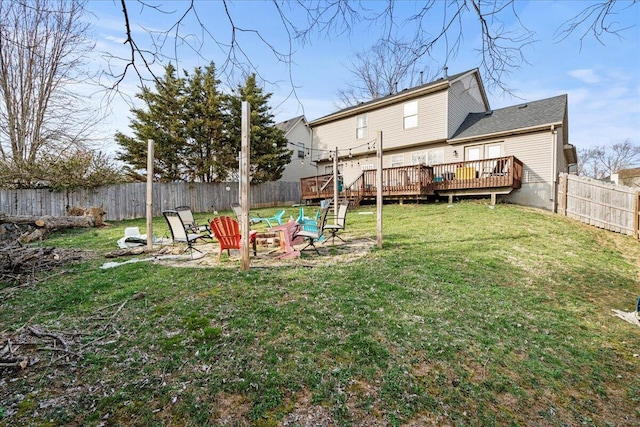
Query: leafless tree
x,y
380,71
435,28
43,44
603,161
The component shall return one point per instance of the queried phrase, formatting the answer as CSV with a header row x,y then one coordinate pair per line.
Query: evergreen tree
x,y
209,154
163,120
269,152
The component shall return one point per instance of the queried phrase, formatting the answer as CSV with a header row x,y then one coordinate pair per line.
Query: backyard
x,y
469,315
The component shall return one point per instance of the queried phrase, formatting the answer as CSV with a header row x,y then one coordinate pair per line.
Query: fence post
x,y
562,189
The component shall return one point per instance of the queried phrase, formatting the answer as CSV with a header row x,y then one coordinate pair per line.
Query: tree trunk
x,y
49,222
40,226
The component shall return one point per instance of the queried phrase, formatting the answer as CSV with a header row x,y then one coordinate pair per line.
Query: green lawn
x,y
469,315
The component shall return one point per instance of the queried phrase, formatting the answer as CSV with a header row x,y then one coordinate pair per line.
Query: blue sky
x,y
601,80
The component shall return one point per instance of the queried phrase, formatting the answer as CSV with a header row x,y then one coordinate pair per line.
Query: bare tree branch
x,y
43,46
595,20
602,161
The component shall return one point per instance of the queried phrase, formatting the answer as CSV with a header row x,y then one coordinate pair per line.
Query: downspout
x,y
554,168
311,149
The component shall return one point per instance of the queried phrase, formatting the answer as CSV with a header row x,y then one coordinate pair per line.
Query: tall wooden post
x,y
636,216
244,182
379,187
149,206
336,193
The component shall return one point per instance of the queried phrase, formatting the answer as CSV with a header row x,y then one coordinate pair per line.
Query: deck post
x,y
493,199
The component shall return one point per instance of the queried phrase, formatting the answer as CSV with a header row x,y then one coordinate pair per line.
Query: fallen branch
x,y
115,314
40,334
135,251
14,363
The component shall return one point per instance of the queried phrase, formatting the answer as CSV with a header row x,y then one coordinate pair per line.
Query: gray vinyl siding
x,y
432,126
464,98
536,153
563,166
297,169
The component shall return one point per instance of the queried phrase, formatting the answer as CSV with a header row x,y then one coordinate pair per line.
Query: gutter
x,y
519,131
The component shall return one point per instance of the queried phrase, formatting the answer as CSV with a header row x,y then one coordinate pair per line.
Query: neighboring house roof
x,y
404,95
542,113
287,125
629,173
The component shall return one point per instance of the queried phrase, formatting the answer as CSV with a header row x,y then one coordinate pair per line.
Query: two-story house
x,y
443,139
298,133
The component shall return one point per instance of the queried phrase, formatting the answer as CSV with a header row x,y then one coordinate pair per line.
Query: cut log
x,y
49,222
40,226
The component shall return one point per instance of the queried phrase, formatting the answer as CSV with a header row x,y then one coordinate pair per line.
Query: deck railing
x,y
420,180
402,180
477,174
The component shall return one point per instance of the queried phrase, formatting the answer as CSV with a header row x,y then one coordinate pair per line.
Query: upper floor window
x,y
410,116
361,126
397,160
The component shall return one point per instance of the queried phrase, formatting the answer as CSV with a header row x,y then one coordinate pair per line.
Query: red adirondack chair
x,y
227,232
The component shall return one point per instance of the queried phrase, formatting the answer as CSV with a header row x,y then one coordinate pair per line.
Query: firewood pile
x,y
23,265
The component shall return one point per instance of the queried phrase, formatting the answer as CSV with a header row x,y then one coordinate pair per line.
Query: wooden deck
x,y
479,177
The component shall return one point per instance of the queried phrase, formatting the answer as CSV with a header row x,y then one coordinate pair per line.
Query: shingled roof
x,y
439,84
287,125
528,115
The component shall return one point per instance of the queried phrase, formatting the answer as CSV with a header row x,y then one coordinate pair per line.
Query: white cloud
x,y
586,75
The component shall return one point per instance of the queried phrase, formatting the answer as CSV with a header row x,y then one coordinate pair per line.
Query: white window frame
x,y
410,115
435,156
397,160
368,167
419,158
361,126
484,151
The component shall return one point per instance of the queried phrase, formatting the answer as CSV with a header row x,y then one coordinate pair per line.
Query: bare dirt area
x,y
268,256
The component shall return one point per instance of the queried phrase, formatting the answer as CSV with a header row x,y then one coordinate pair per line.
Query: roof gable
x,y
287,125
442,83
550,111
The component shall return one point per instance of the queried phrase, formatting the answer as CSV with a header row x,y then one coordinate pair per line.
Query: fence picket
x,y
128,201
601,204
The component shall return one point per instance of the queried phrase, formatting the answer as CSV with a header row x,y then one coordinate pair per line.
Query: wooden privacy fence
x,y
601,204
128,201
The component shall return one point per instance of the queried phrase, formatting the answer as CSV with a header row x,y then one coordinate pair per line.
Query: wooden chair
x,y
227,231
179,232
340,223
